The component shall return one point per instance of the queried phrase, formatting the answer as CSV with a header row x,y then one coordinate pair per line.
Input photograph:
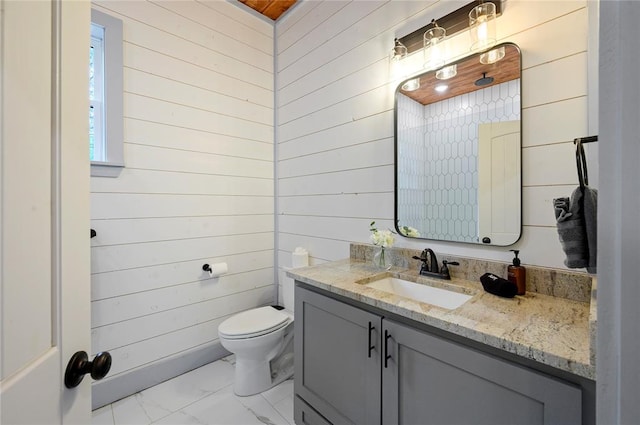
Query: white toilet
x,y
262,340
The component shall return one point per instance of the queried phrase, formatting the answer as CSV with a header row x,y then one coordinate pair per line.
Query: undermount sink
x,y
423,293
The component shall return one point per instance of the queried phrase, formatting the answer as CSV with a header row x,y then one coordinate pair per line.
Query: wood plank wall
x,y
198,184
335,121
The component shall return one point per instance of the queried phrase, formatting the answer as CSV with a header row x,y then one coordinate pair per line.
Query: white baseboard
x,y
109,390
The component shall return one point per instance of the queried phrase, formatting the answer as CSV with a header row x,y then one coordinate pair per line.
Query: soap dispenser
x,y
517,274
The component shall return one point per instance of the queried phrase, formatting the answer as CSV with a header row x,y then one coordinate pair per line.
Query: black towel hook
x,y
581,159
581,164
585,139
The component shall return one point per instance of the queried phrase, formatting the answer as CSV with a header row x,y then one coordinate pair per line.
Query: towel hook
x,y
581,164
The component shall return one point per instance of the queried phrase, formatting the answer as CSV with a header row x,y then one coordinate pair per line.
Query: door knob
x,y
79,365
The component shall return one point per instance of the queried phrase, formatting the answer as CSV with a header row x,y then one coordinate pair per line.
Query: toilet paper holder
x,y
215,270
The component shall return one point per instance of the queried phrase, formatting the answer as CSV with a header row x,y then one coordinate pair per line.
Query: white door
x,y
44,209
499,184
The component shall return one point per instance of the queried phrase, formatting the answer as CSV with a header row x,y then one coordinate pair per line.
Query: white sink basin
x,y
423,293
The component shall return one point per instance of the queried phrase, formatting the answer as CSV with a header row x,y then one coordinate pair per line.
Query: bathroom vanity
x,y
367,356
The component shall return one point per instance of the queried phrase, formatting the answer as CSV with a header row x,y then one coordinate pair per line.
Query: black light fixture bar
x,y
454,22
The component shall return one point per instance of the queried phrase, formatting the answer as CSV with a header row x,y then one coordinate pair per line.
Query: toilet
x,y
262,341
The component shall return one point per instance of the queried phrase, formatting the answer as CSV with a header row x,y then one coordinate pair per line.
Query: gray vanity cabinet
x,y
337,361
430,380
355,367
304,414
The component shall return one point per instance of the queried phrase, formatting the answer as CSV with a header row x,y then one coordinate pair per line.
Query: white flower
x,y
409,232
383,238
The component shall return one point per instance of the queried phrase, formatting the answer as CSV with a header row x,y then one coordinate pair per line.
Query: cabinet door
x,y
337,359
303,414
429,380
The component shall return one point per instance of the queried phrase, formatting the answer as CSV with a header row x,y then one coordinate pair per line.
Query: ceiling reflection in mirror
x,y
458,151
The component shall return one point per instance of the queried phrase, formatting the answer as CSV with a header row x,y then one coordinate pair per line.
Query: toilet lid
x,y
252,323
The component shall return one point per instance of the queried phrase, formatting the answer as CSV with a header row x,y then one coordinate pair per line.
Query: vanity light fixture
x,y
411,85
433,38
482,26
453,23
447,72
398,52
492,56
434,52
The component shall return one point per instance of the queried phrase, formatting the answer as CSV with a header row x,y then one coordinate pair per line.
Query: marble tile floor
x,y
202,396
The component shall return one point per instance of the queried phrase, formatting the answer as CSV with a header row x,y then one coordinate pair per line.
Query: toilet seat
x,y
253,323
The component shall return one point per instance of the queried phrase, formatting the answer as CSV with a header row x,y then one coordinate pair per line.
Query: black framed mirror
x,y
458,166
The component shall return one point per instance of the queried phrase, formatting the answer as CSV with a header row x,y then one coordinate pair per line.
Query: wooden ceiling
x,y
469,70
269,8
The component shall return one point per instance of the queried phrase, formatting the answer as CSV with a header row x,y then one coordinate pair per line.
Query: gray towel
x,y
590,210
577,228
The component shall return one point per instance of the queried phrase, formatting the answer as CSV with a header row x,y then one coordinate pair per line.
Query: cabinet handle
x,y
371,347
387,356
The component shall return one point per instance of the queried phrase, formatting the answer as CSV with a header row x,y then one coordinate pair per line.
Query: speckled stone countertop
x,y
550,330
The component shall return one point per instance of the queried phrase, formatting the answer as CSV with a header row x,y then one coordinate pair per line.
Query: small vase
x,y
381,258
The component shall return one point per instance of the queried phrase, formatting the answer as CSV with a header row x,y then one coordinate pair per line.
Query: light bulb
x,y
482,26
482,30
411,85
434,52
447,72
441,88
492,56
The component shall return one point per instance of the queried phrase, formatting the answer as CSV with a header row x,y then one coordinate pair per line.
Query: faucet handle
x,y
423,266
444,270
423,255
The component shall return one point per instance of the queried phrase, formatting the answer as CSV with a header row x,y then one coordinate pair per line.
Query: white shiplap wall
x,y
197,188
335,120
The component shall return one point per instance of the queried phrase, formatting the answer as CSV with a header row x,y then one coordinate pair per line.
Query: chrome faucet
x,y
429,266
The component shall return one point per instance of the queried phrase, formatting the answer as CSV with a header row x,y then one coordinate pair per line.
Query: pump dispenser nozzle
x,y
516,260
517,274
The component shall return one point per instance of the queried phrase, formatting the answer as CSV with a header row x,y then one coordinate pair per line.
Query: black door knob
x,y
79,365
486,239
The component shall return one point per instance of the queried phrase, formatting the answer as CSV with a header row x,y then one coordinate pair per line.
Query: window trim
x,y
112,97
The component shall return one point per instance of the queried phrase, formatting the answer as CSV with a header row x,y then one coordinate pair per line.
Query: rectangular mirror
x,y
458,167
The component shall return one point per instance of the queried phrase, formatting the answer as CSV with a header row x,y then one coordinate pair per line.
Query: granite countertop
x,y
550,330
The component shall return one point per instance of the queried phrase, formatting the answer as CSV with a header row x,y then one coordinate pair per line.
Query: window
x,y
105,96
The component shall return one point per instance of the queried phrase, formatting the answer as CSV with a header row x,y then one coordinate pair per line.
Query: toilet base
x,y
253,377
256,376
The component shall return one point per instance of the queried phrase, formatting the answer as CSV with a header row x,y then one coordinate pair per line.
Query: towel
x,y
577,228
590,204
